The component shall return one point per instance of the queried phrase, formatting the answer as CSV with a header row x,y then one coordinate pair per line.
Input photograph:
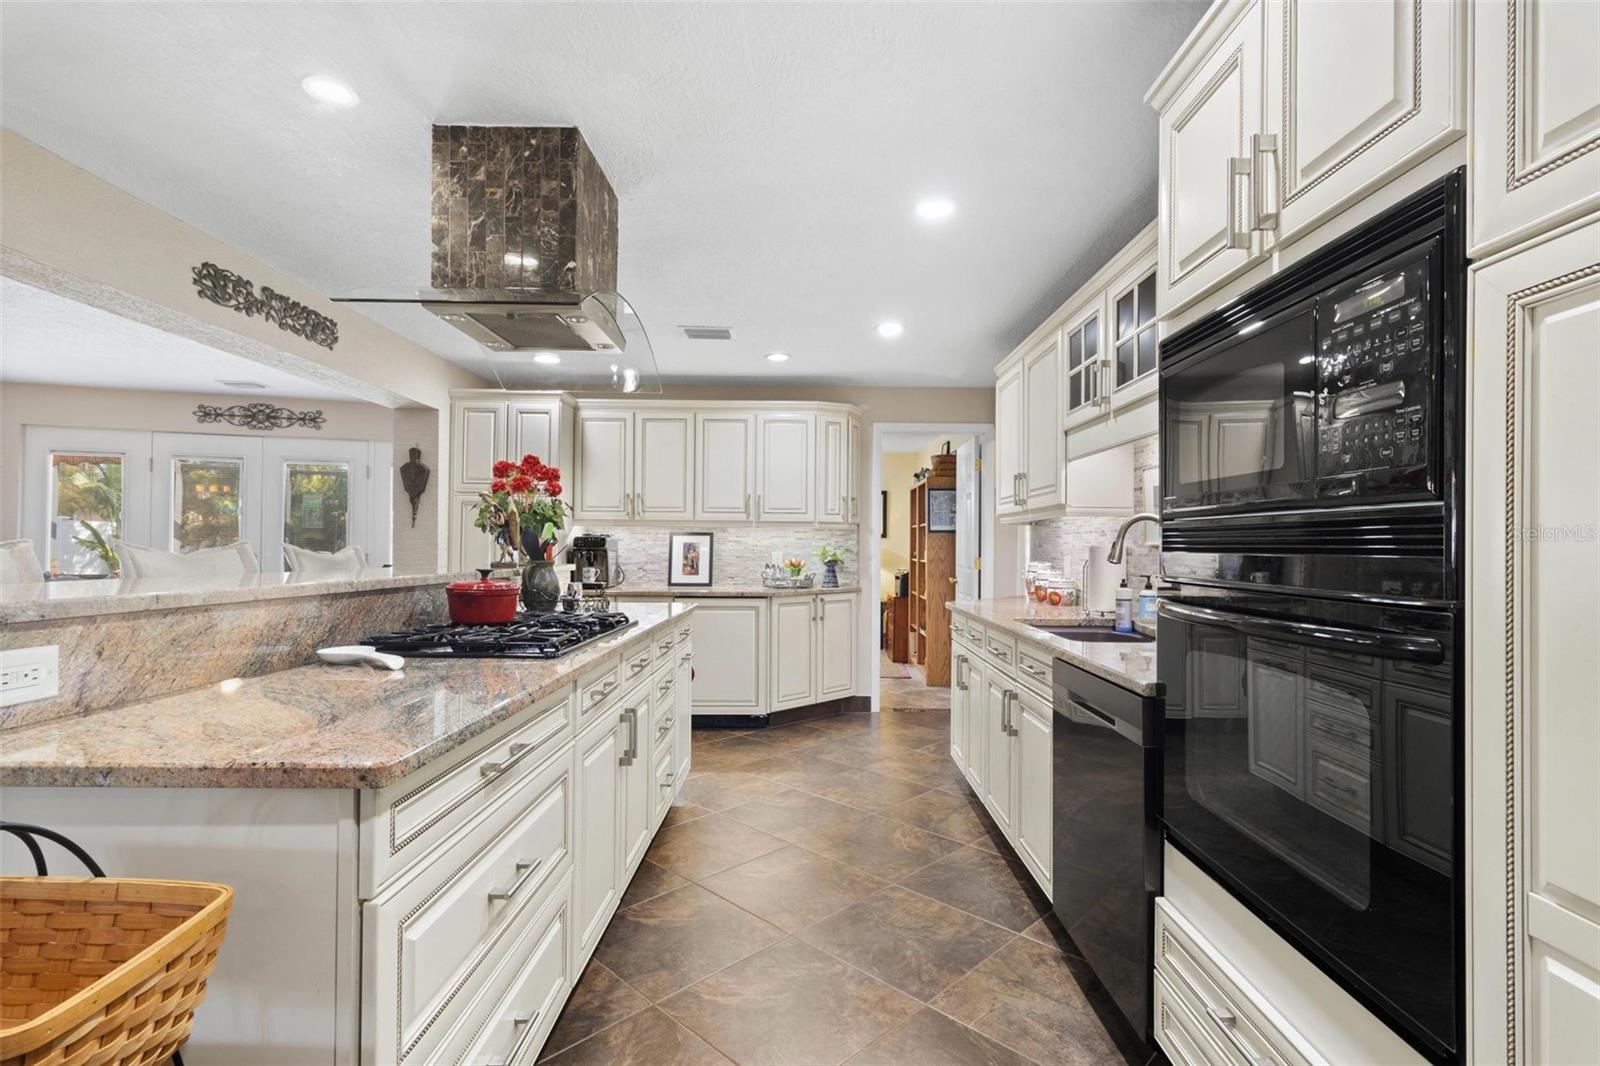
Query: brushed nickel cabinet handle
x,y
1262,144
495,769
1226,1022
1238,167
529,1024
525,870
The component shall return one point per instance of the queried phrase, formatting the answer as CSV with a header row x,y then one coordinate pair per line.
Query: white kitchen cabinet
x,y
683,712
1102,482
960,698
1044,454
732,679
597,841
1000,755
1355,94
853,481
533,427
1535,118
470,547
1034,759
786,463
1010,427
836,646
1208,111
477,439
604,483
663,464
833,488
488,425
1088,387
1134,336
1534,902
636,762
725,466
979,729
793,651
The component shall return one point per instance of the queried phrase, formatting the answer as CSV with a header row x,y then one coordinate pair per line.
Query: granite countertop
x,y
43,601
720,592
1130,665
317,726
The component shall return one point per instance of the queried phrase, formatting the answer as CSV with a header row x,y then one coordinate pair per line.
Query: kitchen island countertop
x,y
723,592
315,726
1129,665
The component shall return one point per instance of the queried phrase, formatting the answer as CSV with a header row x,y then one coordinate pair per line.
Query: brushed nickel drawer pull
x,y
638,665
671,776
495,769
603,691
630,716
525,870
529,1024
1032,669
1226,1021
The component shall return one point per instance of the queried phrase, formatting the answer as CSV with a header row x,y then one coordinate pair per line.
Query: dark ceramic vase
x,y
830,575
540,587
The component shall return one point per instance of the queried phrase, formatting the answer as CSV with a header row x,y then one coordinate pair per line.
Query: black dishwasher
x,y
1106,836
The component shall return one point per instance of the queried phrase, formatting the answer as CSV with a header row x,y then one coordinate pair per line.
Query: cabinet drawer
x,y
665,682
1000,650
665,779
665,644
1035,667
1181,1035
597,691
1219,1007
436,936
405,820
636,662
963,627
1340,783
1339,725
512,1018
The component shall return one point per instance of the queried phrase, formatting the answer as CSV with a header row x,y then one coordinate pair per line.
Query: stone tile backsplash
x,y
1066,542
737,552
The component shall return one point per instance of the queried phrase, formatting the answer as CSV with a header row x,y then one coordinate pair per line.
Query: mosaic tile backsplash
x,y
1067,542
737,553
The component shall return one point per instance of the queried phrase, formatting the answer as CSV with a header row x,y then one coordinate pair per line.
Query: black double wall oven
x,y
1311,477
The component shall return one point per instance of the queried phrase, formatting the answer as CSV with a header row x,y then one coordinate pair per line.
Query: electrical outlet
x,y
28,674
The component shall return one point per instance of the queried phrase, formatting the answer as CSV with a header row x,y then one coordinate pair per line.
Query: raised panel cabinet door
x,y
683,719
836,646
725,466
1356,94
978,729
1275,721
1216,660
1533,383
786,467
958,706
833,503
852,469
479,438
1045,453
663,464
731,679
999,764
635,762
470,547
532,428
605,464
794,628
1205,128
1010,429
1535,118
1034,765
597,847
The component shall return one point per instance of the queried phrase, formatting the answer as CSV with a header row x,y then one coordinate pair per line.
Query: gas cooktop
x,y
541,635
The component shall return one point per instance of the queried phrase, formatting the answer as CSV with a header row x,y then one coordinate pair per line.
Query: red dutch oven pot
x,y
482,602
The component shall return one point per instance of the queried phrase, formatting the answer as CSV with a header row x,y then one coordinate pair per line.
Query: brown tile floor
x,y
831,892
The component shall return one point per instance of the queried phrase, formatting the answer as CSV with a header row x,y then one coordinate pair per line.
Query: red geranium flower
x,y
504,468
552,473
553,487
521,483
497,485
530,465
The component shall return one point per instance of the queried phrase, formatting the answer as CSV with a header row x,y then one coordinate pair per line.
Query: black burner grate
x,y
545,635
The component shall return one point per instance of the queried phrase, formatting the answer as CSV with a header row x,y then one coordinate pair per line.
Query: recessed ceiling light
x,y
935,209
777,357
240,384
547,358
330,91
890,329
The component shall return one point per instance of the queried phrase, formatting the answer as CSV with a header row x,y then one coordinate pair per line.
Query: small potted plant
x,y
831,558
795,567
524,512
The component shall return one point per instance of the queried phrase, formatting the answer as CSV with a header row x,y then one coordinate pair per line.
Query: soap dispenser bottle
x,y
1147,602
1124,608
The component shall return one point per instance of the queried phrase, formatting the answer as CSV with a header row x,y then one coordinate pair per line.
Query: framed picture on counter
x,y
689,559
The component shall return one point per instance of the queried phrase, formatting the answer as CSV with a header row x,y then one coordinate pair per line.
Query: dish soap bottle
x,y
1147,602
1124,608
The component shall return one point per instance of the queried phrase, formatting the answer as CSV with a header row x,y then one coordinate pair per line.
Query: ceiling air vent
x,y
707,333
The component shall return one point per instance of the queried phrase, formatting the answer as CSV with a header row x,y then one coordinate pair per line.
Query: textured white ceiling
x,y
47,339
767,156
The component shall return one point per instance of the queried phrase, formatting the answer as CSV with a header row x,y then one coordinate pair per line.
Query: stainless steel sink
x,y
1092,634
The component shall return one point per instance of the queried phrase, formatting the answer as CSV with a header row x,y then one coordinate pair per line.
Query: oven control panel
x,y
1375,373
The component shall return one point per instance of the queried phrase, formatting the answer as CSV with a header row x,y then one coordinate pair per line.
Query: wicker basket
x,y
103,971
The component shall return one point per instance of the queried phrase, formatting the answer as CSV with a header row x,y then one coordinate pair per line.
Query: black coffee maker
x,y
596,562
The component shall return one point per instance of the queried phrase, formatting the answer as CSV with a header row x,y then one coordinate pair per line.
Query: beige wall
x,y
157,412
65,230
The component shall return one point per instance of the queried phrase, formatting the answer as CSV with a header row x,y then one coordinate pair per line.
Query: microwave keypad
x,y
1371,409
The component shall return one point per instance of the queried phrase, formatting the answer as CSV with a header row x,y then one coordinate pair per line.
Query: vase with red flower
x,y
524,512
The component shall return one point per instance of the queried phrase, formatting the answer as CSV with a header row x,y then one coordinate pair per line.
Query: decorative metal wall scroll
x,y
224,287
259,416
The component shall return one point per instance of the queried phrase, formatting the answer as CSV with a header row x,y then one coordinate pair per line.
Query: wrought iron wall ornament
x,y
258,416
414,479
224,287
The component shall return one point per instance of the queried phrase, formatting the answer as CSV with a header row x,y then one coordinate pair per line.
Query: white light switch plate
x,y
28,674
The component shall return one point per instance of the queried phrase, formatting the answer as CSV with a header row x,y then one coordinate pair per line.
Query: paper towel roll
x,y
1104,577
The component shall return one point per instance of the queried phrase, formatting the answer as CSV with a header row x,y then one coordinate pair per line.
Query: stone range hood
x,y
524,260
